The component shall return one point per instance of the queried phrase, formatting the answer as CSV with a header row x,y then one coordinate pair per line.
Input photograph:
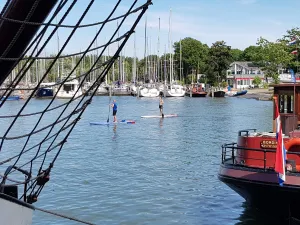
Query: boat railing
x,y
230,155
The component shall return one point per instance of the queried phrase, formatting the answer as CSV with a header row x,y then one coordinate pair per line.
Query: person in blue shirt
x,y
115,108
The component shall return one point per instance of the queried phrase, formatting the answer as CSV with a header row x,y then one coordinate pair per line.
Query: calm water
x,y
157,171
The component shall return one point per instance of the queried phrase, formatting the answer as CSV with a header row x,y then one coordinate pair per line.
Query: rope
x,y
74,26
63,216
69,55
64,123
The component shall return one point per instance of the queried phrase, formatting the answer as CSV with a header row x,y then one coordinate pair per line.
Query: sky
x,y
238,22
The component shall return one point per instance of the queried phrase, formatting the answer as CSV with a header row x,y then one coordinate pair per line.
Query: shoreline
x,y
258,94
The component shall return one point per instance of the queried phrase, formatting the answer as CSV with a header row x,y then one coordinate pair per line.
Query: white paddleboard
x,y
113,123
165,116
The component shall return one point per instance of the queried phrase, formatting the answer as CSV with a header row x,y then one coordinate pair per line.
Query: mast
x,y
170,58
158,54
134,61
145,50
180,61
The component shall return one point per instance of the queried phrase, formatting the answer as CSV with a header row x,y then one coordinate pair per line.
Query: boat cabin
x,y
258,149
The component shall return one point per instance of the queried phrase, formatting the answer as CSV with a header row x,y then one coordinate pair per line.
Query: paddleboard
x,y
113,123
165,116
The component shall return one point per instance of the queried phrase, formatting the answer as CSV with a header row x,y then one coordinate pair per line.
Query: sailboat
x,y
174,90
147,90
34,136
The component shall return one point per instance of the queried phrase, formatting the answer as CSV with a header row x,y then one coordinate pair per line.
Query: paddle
x,y
108,110
108,114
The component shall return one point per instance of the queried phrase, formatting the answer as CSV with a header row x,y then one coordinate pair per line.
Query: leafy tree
x,y
272,56
194,55
237,54
293,33
219,59
251,53
256,81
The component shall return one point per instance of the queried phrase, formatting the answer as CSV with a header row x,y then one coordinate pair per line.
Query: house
x,y
240,75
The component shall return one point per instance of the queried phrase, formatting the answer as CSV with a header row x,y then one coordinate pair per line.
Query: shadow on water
x,y
115,132
252,215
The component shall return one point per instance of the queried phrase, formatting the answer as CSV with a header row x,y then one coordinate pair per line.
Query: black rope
x,y
38,39
73,26
69,55
53,143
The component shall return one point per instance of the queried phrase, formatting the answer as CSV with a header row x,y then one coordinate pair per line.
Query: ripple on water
x,y
157,171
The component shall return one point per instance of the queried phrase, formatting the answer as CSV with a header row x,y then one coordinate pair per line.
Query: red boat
x,y
196,90
248,165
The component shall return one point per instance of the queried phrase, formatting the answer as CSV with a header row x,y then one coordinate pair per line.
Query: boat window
x,y
286,103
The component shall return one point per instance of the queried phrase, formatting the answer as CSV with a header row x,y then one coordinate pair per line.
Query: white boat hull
x,y
150,93
69,94
14,212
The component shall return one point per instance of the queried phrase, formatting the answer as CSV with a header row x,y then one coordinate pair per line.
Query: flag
x,y
293,78
293,41
295,52
280,151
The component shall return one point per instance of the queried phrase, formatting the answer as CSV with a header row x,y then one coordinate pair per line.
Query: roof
x,y
246,64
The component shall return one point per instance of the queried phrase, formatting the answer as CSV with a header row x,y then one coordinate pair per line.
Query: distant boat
x,y
218,93
196,91
175,90
69,88
11,98
237,93
44,91
240,93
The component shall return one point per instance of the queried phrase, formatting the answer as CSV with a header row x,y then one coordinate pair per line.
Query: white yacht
x,y
69,89
175,90
148,90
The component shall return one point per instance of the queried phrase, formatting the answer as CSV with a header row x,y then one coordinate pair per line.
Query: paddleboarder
x,y
161,105
115,108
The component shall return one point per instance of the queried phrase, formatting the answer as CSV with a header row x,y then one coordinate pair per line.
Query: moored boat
x,y
248,166
196,91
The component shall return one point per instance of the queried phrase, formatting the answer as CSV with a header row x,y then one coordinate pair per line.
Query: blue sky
x,y
238,22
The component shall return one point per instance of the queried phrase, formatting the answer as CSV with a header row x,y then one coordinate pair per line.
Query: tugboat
x,y
249,166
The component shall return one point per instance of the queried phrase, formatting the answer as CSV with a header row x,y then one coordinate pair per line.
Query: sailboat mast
x,y
145,50
170,58
134,60
180,61
158,54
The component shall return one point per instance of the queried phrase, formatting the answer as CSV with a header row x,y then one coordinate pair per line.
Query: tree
x,y
256,81
273,56
219,59
194,55
251,53
237,55
293,33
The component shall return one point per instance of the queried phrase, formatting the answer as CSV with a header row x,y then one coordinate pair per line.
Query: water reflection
x,y
115,132
252,215
161,122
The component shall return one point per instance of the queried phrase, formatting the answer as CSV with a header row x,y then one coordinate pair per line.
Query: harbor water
x,y
157,171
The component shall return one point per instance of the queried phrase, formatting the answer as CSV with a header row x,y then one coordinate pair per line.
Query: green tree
x,y
251,53
237,54
273,56
293,33
219,59
256,81
194,55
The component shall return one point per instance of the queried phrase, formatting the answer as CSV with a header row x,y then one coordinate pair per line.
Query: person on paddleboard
x,y
115,108
161,105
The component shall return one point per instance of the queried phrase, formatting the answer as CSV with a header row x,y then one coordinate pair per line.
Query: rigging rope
x,y
56,138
